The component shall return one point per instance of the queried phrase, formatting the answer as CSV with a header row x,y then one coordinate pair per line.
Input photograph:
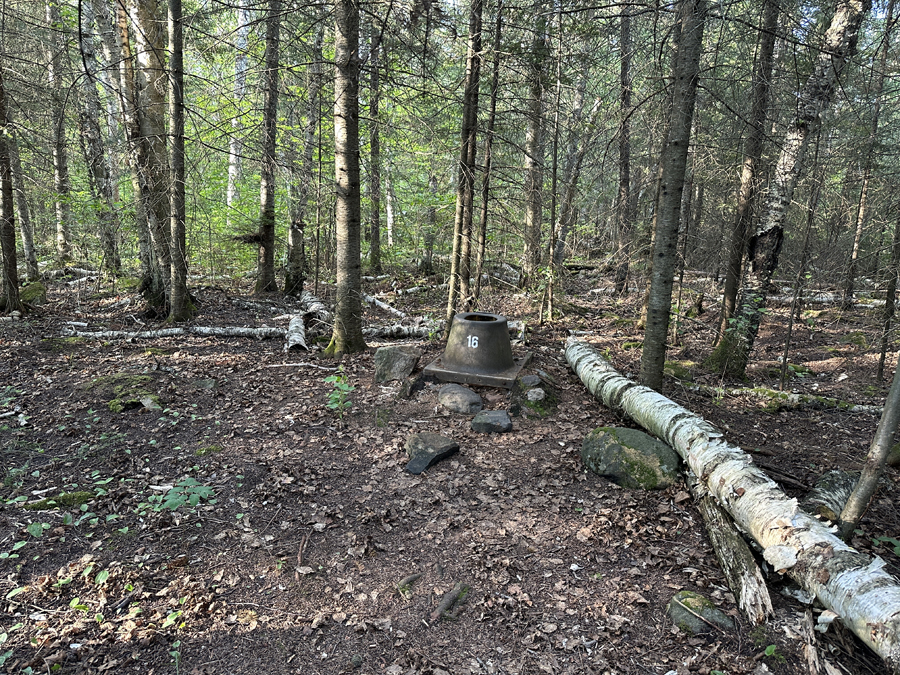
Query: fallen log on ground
x,y
735,558
853,585
263,333
296,334
786,400
312,305
383,305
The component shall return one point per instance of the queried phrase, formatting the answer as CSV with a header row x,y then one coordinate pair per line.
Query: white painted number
x,y
472,341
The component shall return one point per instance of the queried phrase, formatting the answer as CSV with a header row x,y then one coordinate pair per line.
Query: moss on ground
x,y
124,390
64,500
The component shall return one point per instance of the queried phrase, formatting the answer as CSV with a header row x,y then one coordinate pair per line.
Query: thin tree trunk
x,y
235,144
674,163
625,205
733,351
61,182
534,146
390,215
9,300
853,585
99,172
181,308
753,144
488,157
873,468
890,297
265,262
374,153
301,183
347,335
26,229
868,160
465,186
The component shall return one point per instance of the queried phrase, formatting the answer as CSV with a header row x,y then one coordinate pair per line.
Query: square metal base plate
x,y
504,378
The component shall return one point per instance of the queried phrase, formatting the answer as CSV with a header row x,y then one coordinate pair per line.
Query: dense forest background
x,y
569,121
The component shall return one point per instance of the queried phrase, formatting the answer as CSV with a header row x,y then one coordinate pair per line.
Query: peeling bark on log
x,y
208,331
851,584
830,494
786,400
296,334
312,305
741,571
399,331
384,306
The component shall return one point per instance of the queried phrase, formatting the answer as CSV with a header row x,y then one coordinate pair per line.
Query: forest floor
x,y
290,560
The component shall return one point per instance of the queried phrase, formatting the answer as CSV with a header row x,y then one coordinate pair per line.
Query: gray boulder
x,y
630,458
492,422
684,607
427,449
395,362
459,399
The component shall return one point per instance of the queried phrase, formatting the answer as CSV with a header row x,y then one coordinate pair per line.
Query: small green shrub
x,y
339,396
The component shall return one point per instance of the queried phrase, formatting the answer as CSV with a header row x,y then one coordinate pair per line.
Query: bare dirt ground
x,y
305,524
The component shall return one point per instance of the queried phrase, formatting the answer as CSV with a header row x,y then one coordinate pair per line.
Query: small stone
x,y
685,605
395,362
459,399
528,381
427,449
356,661
536,394
208,384
492,422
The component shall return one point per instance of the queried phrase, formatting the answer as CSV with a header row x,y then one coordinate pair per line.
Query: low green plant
x,y
186,491
888,540
339,396
176,654
772,652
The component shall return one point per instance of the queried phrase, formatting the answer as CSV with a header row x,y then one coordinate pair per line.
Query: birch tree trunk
x,y
753,144
347,336
733,351
692,17
235,142
61,182
99,172
374,151
265,262
868,160
9,300
854,586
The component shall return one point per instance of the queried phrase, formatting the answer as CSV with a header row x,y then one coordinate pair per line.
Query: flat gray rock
x,y
684,607
528,381
459,399
630,458
395,362
427,449
492,422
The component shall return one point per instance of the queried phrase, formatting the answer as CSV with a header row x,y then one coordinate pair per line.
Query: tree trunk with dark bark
x,y
692,17
9,300
534,146
61,181
26,228
374,152
753,144
347,335
625,204
265,263
733,351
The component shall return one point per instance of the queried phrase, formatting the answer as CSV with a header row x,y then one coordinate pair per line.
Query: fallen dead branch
x,y
384,306
853,585
785,400
263,333
451,599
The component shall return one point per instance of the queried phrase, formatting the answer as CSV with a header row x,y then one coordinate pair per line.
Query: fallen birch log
x,y
296,334
400,331
786,400
849,583
312,305
209,331
383,305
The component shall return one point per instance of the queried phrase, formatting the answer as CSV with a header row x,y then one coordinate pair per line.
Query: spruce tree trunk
x,y
153,171
99,172
868,160
265,260
465,184
534,146
301,182
692,17
890,297
26,229
753,144
181,308
625,205
733,351
9,300
235,141
61,181
347,336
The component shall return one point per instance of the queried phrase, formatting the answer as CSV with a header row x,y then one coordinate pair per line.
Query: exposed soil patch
x,y
292,529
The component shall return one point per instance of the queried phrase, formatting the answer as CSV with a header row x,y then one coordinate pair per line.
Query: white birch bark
x,y
235,145
384,306
263,333
296,334
851,584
